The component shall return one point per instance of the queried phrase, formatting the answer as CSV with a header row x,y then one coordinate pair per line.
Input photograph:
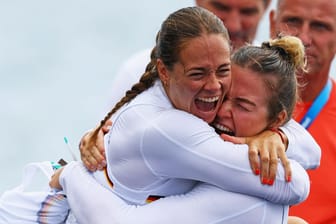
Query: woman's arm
x,y
92,203
301,145
192,150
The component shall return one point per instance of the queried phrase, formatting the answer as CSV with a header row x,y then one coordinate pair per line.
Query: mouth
x,y
206,104
221,129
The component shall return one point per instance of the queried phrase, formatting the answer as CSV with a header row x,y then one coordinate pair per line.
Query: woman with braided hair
x,y
151,153
261,97
161,143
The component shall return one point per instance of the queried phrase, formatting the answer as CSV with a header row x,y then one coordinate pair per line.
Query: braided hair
x,y
179,28
279,58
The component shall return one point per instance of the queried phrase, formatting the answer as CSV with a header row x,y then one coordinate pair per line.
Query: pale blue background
x,y
57,61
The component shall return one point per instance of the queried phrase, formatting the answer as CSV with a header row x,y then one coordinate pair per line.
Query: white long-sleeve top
x,y
158,150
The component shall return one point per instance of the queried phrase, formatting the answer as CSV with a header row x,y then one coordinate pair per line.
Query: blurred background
x,y
57,61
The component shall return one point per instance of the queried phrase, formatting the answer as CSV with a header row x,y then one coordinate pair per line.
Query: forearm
x,y
89,201
225,165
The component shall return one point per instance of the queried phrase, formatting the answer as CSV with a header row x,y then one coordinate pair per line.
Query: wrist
x,y
282,136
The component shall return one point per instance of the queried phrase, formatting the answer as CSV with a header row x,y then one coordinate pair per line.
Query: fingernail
x,y
270,182
103,163
257,171
289,178
264,180
99,167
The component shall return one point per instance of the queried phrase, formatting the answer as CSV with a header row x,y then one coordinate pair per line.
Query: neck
x,y
312,85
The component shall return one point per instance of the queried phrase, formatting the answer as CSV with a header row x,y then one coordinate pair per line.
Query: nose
x,y
305,35
233,22
213,83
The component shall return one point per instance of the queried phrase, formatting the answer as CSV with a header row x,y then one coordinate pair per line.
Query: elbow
x,y
293,192
299,185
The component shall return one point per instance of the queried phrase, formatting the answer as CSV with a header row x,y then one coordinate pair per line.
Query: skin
x,y
203,72
314,22
241,17
197,84
201,78
244,113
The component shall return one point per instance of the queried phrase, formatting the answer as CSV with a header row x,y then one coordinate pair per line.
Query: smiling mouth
x,y
221,129
207,104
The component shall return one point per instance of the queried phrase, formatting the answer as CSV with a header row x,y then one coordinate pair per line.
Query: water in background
x,y
57,61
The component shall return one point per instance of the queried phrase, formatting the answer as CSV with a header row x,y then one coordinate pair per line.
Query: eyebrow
x,y
243,100
205,69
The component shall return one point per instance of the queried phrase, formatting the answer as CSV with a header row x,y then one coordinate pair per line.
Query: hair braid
x,y
146,81
180,27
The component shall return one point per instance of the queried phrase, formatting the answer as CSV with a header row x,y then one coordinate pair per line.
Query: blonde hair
x,y
294,47
281,58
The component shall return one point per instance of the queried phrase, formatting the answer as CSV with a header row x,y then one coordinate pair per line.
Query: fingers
x,y
54,181
254,160
93,155
265,167
92,158
263,157
235,140
99,154
107,126
286,164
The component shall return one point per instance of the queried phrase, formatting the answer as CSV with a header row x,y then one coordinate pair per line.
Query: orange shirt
x,y
320,206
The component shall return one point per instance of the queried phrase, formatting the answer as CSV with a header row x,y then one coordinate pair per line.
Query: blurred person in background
x,y
314,22
240,17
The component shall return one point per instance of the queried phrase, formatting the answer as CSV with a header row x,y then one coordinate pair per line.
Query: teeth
x,y
209,100
222,128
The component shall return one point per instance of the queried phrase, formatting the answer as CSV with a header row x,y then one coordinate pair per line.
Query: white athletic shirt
x,y
204,204
158,150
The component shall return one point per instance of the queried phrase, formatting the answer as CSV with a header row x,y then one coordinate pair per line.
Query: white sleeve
x,y
89,201
301,145
185,149
92,203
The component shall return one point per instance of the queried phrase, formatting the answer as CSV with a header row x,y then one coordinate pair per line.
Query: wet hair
x,y
176,31
277,60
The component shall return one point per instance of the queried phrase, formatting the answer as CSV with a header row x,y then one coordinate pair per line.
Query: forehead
x,y
324,10
240,4
205,51
248,84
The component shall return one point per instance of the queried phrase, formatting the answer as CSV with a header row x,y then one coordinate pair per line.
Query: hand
x,y
54,182
264,151
93,155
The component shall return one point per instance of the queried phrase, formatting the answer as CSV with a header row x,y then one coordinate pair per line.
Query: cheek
x,y
226,83
248,124
331,47
250,22
182,94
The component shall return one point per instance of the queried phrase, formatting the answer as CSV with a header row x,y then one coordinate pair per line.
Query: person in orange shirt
x,y
314,22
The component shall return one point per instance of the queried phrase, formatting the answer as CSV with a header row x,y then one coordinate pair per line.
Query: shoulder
x,y
180,126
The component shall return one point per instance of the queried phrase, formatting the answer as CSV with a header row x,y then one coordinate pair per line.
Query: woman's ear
x,y
163,72
280,120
